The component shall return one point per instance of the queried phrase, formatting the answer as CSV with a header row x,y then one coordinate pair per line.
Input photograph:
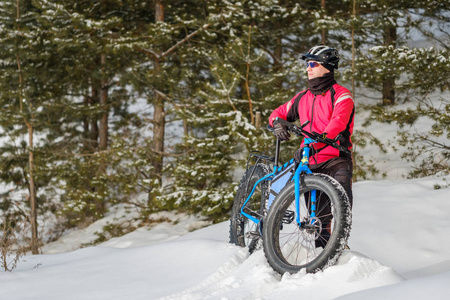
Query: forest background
x,y
106,100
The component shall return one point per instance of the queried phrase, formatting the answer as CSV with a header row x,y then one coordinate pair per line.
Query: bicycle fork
x,y
299,181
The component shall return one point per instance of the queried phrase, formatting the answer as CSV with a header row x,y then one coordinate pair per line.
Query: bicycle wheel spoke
x,y
296,245
310,241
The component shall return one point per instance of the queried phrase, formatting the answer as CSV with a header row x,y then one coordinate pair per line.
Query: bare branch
x,y
151,52
187,38
435,144
160,56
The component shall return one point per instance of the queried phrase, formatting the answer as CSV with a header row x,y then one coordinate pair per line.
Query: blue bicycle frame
x,y
303,167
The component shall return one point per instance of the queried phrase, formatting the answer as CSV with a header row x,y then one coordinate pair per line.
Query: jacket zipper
x,y
310,127
312,114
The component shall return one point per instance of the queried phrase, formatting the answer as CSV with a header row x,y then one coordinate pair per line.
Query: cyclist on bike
x,y
330,109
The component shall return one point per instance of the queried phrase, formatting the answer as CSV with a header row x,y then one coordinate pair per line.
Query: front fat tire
x,y
315,259
239,224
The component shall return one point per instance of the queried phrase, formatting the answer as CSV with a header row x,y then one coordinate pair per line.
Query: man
x,y
330,109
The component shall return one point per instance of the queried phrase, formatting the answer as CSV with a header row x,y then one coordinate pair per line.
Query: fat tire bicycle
x,y
307,224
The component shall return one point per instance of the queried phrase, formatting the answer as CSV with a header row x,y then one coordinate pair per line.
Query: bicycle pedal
x,y
288,217
253,235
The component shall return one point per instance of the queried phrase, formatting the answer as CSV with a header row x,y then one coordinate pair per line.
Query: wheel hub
x,y
312,226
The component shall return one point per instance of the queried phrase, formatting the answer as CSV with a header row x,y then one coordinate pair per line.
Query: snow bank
x,y
399,250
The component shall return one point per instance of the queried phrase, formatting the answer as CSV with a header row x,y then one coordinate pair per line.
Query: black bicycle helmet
x,y
328,56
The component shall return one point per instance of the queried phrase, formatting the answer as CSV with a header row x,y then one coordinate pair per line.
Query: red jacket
x,y
332,113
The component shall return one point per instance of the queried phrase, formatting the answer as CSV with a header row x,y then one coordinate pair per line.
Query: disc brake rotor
x,y
312,226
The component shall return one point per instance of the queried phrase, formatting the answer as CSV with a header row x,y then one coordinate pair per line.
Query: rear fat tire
x,y
239,224
281,255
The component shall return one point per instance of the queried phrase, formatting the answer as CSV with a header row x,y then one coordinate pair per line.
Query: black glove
x,y
298,155
281,132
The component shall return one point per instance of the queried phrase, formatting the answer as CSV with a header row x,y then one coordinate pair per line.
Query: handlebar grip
x,y
314,135
282,121
304,124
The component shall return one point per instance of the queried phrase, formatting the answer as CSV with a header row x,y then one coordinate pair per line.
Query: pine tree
x,y
251,73
169,78
411,73
383,27
74,63
203,178
27,87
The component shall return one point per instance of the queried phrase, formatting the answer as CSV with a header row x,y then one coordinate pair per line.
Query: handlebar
x,y
299,131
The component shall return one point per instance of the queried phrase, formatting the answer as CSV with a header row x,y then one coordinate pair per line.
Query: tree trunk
x,y
159,121
103,133
159,11
258,120
390,39
278,53
93,130
158,136
247,85
86,124
355,162
33,205
159,114
324,32
353,49
32,187
388,92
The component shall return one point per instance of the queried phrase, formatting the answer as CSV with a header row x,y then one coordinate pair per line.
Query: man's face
x,y
317,71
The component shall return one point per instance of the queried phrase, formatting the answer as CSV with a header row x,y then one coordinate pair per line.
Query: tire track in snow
x,y
242,277
205,286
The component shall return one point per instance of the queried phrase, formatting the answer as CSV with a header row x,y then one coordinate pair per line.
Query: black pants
x,y
341,169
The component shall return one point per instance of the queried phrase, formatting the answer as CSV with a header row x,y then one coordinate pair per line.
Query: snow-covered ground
x,y
399,250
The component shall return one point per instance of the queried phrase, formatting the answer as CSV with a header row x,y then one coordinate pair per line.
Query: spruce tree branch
x,y
160,56
275,59
137,204
161,94
166,154
436,39
187,38
151,52
171,100
149,120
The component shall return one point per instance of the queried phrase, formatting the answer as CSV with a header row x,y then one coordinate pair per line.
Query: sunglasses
x,y
312,64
